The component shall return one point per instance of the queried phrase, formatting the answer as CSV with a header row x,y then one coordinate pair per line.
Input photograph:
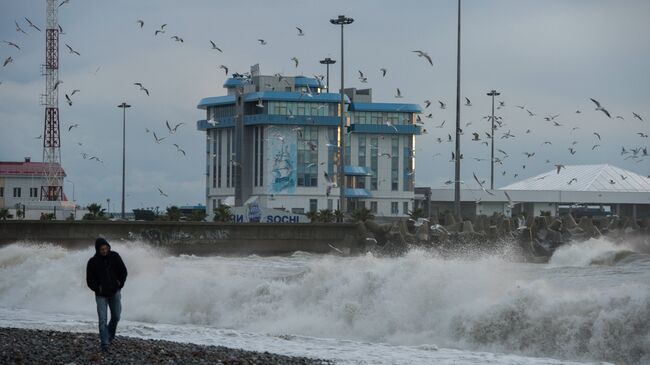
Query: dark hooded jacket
x,y
105,275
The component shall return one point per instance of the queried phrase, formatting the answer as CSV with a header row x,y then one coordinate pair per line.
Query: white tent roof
x,y
589,178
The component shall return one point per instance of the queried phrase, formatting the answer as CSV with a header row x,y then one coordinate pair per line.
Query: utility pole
x,y
124,105
342,20
492,93
457,167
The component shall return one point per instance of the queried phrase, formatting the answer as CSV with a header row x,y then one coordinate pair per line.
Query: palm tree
x,y
4,214
222,213
326,216
338,215
313,216
362,215
95,212
173,213
198,215
416,213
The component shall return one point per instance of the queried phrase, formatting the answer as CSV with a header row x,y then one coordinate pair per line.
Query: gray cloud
x,y
551,56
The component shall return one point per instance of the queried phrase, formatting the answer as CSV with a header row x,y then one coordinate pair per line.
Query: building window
x,y
17,193
348,150
394,208
308,157
373,207
374,161
2,191
332,152
300,110
214,204
228,156
405,208
330,204
256,137
298,210
215,156
394,163
33,192
261,155
408,164
313,205
361,145
219,154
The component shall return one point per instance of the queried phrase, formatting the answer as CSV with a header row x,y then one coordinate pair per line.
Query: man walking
x,y
105,275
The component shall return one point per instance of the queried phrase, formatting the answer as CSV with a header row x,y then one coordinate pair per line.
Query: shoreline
x,y
29,346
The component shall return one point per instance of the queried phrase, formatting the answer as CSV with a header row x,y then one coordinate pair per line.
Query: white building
x,y
22,185
581,189
289,129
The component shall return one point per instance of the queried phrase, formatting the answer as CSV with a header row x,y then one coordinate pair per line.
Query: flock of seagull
x,y
636,153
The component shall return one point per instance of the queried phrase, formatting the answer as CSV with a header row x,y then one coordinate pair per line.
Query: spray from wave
x,y
486,304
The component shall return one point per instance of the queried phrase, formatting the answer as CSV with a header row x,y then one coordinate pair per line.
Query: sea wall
x,y
199,238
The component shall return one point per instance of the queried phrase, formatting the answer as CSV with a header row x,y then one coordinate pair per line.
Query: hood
x,y
100,242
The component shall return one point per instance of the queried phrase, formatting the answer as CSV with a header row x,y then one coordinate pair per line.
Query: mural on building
x,y
282,148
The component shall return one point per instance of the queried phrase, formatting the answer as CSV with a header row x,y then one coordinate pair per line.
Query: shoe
x,y
104,348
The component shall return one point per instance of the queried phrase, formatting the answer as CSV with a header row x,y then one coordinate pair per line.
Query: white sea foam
x,y
417,301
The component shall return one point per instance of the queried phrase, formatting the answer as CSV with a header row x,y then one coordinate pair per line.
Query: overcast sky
x,y
549,56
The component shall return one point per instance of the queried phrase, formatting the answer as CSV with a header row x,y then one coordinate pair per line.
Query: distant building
x,y
590,190
22,185
290,132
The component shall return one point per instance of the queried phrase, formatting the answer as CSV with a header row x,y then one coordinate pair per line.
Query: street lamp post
x,y
74,201
457,167
342,20
328,61
108,206
492,93
124,105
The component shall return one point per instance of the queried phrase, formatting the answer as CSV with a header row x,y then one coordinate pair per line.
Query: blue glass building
x,y
275,138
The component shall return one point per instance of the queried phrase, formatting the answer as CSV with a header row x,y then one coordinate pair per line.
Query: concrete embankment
x,y
199,238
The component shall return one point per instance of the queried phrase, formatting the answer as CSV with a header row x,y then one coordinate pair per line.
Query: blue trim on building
x,y
306,81
230,83
357,193
203,125
384,129
272,96
216,101
265,119
258,119
385,107
356,171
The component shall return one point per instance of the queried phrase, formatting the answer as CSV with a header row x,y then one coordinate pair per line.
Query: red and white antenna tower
x,y
53,191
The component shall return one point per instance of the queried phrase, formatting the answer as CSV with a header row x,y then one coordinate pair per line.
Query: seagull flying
x,y
295,60
142,87
32,24
224,68
12,44
141,22
214,46
161,192
425,55
300,32
18,28
598,107
262,42
399,93
467,102
72,50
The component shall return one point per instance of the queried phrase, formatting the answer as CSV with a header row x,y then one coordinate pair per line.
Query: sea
x,y
590,304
